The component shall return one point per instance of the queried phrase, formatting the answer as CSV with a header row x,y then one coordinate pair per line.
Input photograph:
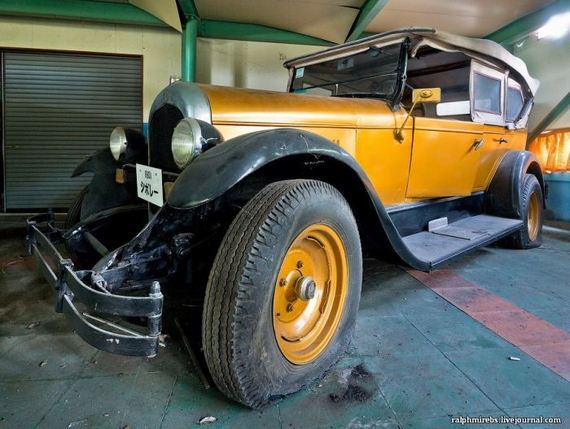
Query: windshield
x,y
372,73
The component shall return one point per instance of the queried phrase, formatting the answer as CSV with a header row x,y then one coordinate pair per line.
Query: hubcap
x,y
533,221
310,293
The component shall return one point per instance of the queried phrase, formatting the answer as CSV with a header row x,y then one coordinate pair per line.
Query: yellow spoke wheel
x,y
310,293
533,221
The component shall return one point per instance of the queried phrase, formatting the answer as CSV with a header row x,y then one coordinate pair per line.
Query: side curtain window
x,y
515,100
487,94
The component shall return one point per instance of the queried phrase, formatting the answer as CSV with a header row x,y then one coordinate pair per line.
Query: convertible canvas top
x,y
482,49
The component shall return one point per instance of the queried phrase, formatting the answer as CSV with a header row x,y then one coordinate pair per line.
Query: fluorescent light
x,y
556,27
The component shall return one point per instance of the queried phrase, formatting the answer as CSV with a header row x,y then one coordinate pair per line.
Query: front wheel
x,y
283,293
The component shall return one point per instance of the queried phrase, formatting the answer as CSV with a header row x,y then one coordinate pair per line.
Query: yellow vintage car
x,y
259,206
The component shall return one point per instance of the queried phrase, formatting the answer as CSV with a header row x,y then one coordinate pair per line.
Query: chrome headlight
x,y
118,142
186,142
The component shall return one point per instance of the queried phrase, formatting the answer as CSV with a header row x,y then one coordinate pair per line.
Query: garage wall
x,y
257,65
58,109
548,61
160,47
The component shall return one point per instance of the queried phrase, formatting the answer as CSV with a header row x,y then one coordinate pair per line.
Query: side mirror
x,y
420,95
425,95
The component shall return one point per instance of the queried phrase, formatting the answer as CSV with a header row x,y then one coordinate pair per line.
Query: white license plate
x,y
149,184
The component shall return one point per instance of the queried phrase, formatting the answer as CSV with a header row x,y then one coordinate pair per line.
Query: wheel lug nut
x,y
299,264
283,282
289,308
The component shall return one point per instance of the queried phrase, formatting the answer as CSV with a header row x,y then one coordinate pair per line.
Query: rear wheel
x,y
283,293
531,203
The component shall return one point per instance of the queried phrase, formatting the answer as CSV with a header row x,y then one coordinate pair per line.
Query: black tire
x,y
238,339
523,239
74,213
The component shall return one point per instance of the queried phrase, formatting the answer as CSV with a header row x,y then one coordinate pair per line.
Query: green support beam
x,y
189,50
255,33
525,25
552,116
86,10
188,8
367,13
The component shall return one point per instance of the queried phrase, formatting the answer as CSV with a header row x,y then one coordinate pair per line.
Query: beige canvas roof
x,y
483,49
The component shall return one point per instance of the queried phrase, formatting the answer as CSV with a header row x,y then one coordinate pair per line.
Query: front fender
x,y
226,165
103,192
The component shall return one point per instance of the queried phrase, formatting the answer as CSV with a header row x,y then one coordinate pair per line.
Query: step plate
x,y
454,231
438,248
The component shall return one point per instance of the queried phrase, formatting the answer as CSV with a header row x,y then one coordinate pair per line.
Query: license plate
x,y
149,184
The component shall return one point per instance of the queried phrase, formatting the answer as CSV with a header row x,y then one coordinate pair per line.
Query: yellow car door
x,y
445,158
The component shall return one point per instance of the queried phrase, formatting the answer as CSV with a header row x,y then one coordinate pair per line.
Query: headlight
x,y
186,142
118,142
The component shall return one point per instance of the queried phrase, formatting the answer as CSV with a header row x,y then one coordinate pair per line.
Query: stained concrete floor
x,y
415,361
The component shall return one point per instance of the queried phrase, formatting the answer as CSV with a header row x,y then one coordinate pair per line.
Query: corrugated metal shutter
x,y
59,108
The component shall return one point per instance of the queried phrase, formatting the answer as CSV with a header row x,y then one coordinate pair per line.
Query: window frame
x,y
400,71
484,116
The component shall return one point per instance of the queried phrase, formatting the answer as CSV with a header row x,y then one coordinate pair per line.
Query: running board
x,y
442,244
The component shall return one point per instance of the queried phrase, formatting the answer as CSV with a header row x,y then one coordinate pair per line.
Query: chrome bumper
x,y
74,287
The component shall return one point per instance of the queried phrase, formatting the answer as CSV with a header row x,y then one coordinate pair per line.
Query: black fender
x,y
103,192
503,194
292,153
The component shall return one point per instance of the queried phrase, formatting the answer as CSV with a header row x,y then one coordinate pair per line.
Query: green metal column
x,y
189,50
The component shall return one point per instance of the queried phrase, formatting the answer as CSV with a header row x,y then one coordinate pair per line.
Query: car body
x,y
417,135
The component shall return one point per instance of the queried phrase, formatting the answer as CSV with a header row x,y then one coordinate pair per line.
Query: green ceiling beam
x,y
368,12
525,25
189,8
552,116
254,33
85,10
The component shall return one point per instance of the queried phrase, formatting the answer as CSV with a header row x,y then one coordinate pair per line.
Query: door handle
x,y
502,140
478,143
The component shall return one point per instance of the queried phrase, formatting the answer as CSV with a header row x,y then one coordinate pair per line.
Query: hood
x,y
236,106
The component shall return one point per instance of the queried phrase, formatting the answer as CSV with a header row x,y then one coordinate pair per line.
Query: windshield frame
x,y
392,99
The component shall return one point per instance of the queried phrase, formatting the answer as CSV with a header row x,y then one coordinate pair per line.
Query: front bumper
x,y
78,289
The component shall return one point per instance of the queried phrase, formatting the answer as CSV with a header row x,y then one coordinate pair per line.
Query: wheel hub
x,y
305,288
309,293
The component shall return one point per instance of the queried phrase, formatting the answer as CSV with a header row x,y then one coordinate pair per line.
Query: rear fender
x,y
503,197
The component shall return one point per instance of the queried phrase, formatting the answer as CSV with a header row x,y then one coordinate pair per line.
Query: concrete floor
x,y
415,361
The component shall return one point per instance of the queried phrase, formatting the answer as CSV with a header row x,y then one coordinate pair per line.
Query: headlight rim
x,y
118,142
186,142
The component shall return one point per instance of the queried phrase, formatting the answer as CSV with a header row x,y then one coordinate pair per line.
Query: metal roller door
x,y
59,108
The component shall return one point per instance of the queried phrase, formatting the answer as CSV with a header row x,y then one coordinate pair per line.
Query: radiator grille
x,y
161,127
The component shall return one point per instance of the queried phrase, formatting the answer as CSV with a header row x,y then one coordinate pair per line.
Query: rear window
x,y
487,94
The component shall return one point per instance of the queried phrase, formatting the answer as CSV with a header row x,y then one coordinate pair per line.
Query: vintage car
x,y
407,145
